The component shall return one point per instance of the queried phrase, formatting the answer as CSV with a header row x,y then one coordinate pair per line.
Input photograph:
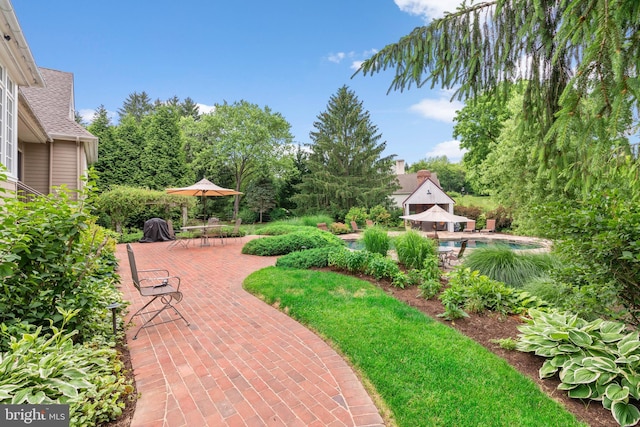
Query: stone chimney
x,y
423,175
399,167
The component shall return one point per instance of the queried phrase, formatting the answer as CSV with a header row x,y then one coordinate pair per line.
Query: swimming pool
x,y
472,243
480,243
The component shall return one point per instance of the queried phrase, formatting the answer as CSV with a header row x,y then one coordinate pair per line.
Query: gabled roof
x,y
53,106
428,193
409,182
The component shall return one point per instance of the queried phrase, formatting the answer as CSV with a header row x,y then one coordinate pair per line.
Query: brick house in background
x,y
41,145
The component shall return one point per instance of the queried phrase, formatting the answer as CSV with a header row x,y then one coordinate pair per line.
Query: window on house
x,y
8,115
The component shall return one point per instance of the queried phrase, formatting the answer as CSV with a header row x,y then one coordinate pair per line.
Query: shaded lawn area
x,y
427,374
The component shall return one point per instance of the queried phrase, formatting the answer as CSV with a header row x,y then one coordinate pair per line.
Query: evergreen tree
x,y
79,119
129,145
188,108
566,51
346,165
102,128
119,150
293,176
137,105
163,161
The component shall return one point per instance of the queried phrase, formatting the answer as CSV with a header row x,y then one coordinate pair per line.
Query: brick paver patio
x,y
240,362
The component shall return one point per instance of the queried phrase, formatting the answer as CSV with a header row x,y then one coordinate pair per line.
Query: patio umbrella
x,y
203,188
435,214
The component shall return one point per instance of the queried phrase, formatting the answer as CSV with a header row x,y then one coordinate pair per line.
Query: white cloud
x,y
356,57
336,57
87,115
355,65
205,109
441,109
451,149
428,9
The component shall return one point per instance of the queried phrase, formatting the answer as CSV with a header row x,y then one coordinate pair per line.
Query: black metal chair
x,y
158,286
456,257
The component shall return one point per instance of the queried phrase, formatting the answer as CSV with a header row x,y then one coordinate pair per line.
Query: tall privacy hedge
x,y
129,207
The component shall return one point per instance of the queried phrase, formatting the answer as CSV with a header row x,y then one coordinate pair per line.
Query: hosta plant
x,y
597,360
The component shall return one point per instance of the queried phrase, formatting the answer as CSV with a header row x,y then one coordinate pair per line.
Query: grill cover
x,y
156,230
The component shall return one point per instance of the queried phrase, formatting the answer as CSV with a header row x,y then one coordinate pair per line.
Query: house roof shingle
x,y
53,106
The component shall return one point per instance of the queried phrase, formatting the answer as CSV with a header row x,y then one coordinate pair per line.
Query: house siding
x,y
65,159
36,167
8,185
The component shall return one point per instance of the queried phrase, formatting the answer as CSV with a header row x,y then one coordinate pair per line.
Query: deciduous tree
x,y
566,51
241,137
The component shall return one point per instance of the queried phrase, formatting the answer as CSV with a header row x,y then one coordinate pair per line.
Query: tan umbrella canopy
x,y
203,188
435,214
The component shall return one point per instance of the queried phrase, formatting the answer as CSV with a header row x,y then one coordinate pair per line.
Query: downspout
x,y
78,165
50,167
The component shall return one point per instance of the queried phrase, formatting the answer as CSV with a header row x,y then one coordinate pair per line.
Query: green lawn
x,y
486,203
427,373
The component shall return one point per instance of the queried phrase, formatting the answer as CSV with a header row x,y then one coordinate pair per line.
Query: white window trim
x,y
8,124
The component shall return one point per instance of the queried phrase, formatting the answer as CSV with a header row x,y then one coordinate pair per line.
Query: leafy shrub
x,y
123,206
413,249
501,263
597,360
503,217
304,221
548,289
291,242
280,228
279,214
52,255
379,267
130,236
471,212
359,215
381,216
41,369
316,257
248,216
338,228
469,290
506,343
376,240
430,288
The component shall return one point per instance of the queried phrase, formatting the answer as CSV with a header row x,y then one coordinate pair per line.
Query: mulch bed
x,y
485,328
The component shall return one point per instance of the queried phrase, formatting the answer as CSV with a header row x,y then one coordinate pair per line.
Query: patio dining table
x,y
204,237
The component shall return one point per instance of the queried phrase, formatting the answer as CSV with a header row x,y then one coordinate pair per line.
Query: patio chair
x,y
470,227
490,227
369,223
157,285
354,227
456,257
216,231
178,238
323,226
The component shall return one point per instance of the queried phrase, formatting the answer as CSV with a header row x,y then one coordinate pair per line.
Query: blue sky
x,y
290,55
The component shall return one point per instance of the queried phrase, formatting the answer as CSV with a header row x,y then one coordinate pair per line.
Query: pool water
x,y
473,243
481,243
